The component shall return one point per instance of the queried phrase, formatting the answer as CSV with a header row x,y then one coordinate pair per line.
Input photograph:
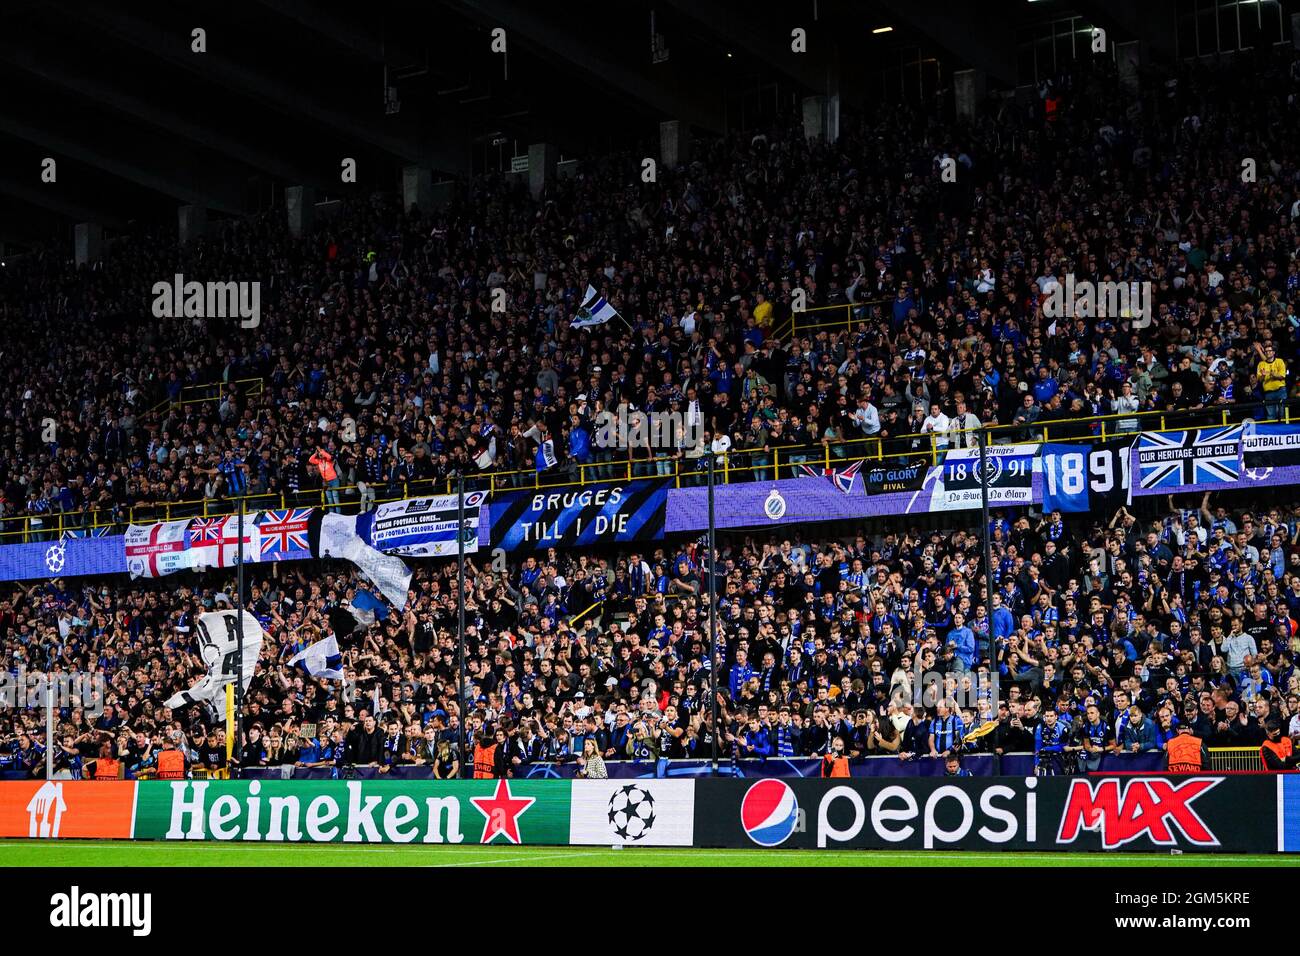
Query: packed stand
x,y
379,361
1107,636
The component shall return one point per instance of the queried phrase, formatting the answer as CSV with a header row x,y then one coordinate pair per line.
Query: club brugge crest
x,y
774,506
990,469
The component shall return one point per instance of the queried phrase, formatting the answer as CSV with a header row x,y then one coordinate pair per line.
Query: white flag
x,y
321,659
339,539
594,311
156,549
218,633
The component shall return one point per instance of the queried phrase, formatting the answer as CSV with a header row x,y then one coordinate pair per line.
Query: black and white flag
x,y
218,636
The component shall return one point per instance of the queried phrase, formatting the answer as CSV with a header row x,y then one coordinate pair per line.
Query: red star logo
x,y
501,813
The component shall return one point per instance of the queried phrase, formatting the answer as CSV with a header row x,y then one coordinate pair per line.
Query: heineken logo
x,y
352,811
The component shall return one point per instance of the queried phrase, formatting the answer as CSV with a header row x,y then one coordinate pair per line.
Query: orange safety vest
x,y
1184,753
1281,749
839,766
485,761
106,768
171,765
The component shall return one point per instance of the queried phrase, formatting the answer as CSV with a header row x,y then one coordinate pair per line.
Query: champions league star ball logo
x,y
54,558
632,812
1258,474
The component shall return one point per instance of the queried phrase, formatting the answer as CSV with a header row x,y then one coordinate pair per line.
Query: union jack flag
x,y
841,478
220,534
1197,456
284,533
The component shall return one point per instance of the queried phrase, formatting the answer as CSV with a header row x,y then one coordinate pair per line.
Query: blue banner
x,y
536,520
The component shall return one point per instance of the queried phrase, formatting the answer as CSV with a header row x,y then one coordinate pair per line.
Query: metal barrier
x,y
1235,760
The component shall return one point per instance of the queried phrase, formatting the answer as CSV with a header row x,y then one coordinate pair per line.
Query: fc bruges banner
x,y
633,511
1010,477
422,527
1078,478
1145,812
895,476
1270,446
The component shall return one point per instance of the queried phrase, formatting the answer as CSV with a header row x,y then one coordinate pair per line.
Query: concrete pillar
x,y
417,187
674,143
300,201
541,167
968,89
192,222
88,241
1128,61
814,117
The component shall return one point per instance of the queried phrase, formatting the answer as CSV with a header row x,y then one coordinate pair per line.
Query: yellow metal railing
x,y
824,317
210,392
736,465
1224,759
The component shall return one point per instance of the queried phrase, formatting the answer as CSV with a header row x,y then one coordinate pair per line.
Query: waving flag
x,y
364,611
841,478
157,549
283,534
214,542
594,311
546,455
335,536
218,635
321,659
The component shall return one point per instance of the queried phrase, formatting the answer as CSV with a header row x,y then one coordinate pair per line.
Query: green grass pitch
x,y
109,853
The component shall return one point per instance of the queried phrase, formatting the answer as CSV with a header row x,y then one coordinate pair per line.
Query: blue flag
x,y
546,455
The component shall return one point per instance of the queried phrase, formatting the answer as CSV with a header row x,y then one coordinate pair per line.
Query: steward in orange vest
x,y
171,763
485,758
106,767
1184,751
835,764
1277,752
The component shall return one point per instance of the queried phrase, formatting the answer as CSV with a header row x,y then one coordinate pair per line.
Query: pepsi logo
x,y
769,812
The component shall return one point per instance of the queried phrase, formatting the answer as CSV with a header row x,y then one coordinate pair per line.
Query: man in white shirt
x,y
1124,403
936,423
963,428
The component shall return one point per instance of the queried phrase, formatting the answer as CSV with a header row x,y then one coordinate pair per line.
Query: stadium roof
x,y
139,124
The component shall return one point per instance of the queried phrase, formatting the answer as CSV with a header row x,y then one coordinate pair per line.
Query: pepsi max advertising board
x,y
1160,813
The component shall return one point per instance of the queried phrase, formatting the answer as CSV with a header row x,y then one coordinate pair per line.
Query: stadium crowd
x,y
1107,636
381,362
379,359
